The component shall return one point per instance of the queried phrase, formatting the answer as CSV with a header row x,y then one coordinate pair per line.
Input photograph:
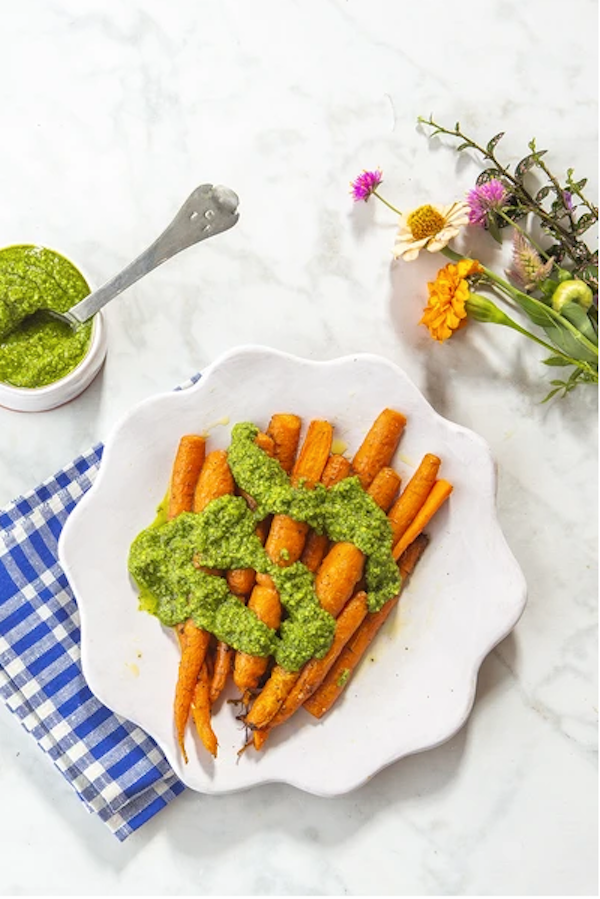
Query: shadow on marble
x,y
306,818
204,828
468,355
362,218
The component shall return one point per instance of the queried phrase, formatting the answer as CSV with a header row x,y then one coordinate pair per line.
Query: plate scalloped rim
x,y
115,688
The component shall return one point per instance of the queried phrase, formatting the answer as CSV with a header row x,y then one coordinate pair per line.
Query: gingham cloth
x,y
115,768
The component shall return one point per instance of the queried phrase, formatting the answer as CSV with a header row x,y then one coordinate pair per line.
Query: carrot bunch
x,y
272,694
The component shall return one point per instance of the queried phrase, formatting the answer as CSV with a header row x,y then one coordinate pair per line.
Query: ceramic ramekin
x,y
39,399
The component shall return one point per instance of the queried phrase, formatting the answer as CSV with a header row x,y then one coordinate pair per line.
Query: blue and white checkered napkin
x,y
116,769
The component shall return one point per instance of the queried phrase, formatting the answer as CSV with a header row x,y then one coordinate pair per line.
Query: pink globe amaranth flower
x,y
486,198
363,186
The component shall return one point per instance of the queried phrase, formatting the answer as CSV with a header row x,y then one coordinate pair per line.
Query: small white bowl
x,y
39,399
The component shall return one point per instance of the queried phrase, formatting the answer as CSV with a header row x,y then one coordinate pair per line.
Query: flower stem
x,y
383,200
451,254
524,300
493,315
518,228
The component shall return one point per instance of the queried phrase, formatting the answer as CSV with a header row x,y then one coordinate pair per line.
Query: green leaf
x,y
551,394
491,145
556,360
579,185
487,175
528,163
492,226
588,273
464,146
578,316
457,127
543,193
548,287
556,251
584,222
564,335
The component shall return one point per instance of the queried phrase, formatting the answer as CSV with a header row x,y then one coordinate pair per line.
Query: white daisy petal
x,y
455,216
411,254
408,249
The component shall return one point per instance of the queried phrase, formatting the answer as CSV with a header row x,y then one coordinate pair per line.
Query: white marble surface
x,y
111,114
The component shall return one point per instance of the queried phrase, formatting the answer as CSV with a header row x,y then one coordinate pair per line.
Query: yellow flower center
x,y
425,222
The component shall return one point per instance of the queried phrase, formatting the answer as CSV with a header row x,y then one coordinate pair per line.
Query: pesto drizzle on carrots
x,y
164,558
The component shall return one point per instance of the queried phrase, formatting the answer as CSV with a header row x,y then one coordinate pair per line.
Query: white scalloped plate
x,y
416,687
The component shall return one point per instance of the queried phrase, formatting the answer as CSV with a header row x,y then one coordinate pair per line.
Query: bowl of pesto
x,y
417,686
43,362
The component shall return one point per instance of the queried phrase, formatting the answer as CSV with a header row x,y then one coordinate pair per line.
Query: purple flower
x,y
486,198
365,184
568,200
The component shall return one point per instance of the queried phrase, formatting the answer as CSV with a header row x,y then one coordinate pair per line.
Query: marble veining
x,y
111,115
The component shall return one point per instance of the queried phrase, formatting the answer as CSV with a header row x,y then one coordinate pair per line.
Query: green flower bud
x,y
572,291
483,310
564,275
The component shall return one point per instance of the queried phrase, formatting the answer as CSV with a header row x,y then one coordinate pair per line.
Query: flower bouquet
x,y
552,287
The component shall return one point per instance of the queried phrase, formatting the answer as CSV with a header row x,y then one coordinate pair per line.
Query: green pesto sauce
x,y
161,558
35,349
343,677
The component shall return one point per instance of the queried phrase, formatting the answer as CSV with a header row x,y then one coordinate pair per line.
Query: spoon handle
x,y
207,211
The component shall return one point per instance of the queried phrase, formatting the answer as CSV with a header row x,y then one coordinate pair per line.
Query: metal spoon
x,y
209,210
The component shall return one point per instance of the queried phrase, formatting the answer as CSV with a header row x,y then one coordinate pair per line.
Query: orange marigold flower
x,y
445,311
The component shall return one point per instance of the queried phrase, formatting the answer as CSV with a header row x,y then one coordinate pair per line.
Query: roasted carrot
x,y
334,584
215,480
266,443
248,669
284,429
287,537
222,667
339,674
337,468
315,671
384,487
271,697
284,546
186,469
194,643
285,542
241,580
315,550
201,710
259,738
314,454
342,567
338,575
440,492
414,495
377,449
